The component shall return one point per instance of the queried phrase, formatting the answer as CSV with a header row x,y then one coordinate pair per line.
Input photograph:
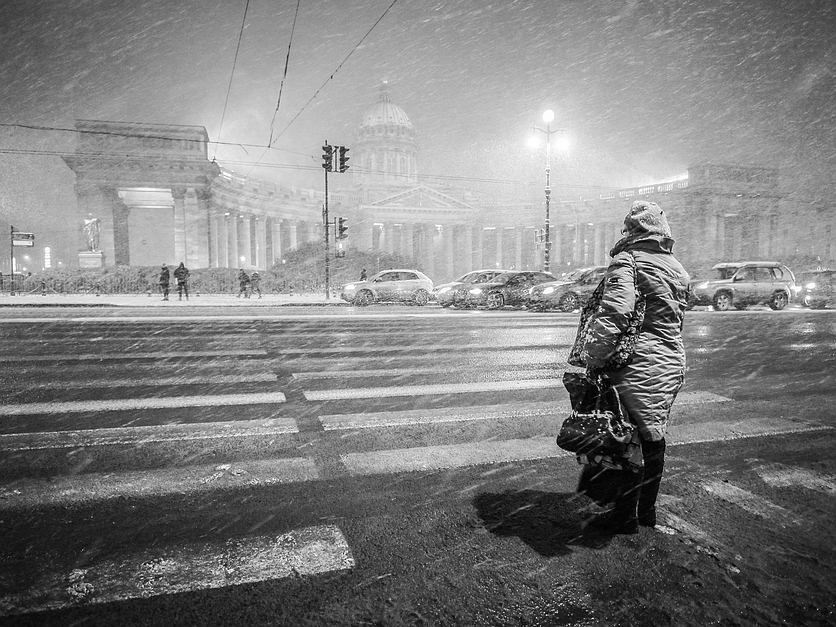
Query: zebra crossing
x,y
284,384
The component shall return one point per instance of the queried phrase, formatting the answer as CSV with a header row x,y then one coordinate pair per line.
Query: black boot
x,y
654,464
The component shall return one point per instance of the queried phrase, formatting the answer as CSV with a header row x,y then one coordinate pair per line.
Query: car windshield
x,y
502,279
574,275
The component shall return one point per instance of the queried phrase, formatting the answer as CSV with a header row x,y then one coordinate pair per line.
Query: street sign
x,y
23,239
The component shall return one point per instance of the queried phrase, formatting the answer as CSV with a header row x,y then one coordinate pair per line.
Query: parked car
x,y
743,283
817,288
454,293
395,285
509,288
569,292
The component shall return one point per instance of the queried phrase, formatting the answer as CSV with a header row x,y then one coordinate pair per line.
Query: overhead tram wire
x,y
284,74
232,74
337,69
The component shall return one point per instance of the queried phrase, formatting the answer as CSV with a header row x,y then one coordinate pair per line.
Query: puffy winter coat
x,y
650,383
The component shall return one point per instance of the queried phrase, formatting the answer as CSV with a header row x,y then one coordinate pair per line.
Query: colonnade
x,y
240,239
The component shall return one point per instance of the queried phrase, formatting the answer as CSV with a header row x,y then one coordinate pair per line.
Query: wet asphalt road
x,y
420,382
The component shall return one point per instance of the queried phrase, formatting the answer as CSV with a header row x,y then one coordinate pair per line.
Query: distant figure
x,y
165,281
363,274
181,273
92,229
255,279
243,283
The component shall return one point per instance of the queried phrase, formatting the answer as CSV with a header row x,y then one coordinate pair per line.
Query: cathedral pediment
x,y
422,197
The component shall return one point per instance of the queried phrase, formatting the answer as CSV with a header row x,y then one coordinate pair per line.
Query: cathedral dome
x,y
386,114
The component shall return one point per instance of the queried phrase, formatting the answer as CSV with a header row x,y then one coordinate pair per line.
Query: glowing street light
x,y
562,144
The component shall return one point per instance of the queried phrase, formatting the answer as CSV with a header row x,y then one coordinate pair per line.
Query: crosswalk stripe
x,y
440,388
207,379
185,567
129,404
780,476
398,372
447,347
127,356
97,486
372,420
143,435
749,502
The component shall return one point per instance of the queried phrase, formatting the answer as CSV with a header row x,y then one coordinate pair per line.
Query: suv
x,y
745,283
567,293
394,285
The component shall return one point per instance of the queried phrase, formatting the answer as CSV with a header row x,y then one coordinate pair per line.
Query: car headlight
x,y
349,287
796,289
548,290
810,286
476,291
444,290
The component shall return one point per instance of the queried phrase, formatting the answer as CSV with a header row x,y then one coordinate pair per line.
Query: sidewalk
x,y
154,300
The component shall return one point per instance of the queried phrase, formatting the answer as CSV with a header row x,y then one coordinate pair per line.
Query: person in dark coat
x,y
243,283
255,281
165,281
181,275
363,274
648,385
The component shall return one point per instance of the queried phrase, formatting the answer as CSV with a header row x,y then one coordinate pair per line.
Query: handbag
x,y
597,425
625,345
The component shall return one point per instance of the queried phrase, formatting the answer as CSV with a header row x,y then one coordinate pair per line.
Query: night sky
x,y
644,88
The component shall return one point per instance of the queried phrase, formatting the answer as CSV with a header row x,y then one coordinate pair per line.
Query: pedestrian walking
x,y
643,261
363,274
165,281
181,275
243,283
255,280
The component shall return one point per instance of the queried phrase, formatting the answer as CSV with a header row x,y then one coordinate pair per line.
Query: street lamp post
x,y
548,118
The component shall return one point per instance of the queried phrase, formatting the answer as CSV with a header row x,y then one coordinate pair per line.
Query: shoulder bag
x,y
626,343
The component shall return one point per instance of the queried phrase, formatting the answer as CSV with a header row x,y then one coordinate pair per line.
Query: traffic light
x,y
328,157
343,158
342,228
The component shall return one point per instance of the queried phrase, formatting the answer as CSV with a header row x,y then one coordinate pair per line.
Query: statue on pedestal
x,y
92,229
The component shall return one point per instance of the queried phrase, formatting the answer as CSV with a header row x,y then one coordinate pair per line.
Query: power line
x,y
284,75
339,66
232,74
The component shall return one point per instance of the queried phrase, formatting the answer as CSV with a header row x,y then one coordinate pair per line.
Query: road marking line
x,y
129,404
207,379
128,356
98,486
396,372
781,476
439,388
139,436
424,348
749,502
186,567
372,420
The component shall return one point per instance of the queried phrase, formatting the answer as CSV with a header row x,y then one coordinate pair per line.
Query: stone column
x,y
275,240
179,196
428,252
407,237
449,244
519,231
245,249
292,236
467,248
222,240
121,233
197,230
478,248
232,260
598,252
500,236
261,242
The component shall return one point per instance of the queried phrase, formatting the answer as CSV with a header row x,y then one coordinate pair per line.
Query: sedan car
x,y
509,288
567,293
743,283
818,288
394,285
455,292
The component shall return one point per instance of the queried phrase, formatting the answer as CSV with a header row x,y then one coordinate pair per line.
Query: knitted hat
x,y
646,217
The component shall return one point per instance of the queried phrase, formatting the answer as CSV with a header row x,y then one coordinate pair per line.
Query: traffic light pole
x,y
327,242
12,261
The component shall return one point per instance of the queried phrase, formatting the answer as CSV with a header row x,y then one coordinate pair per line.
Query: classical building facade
x,y
160,199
